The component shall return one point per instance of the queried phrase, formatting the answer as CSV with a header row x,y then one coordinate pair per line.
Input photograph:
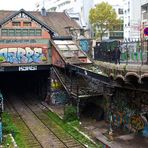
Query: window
x,y
18,32
4,32
11,32
120,11
31,32
25,32
26,24
16,23
21,32
38,32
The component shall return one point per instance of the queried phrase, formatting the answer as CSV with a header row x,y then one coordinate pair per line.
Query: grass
x,y
69,128
10,128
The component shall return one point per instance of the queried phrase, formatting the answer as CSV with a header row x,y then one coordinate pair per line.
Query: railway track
x,y
29,137
45,131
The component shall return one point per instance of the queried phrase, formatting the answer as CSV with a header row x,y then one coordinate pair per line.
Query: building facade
x,y
76,9
144,13
132,19
118,32
25,37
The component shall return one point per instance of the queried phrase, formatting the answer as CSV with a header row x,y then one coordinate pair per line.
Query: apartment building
x,y
144,18
76,9
132,19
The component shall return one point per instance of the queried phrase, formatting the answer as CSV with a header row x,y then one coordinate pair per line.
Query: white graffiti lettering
x,y
27,68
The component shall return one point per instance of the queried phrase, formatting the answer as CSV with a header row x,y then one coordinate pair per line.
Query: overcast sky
x,y
31,4
112,2
18,4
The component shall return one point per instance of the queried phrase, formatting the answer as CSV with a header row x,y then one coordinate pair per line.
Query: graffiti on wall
x,y
134,122
23,55
84,43
137,122
58,93
129,114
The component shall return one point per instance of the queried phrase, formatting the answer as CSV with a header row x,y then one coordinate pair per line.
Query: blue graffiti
x,y
29,56
36,56
145,131
84,43
20,55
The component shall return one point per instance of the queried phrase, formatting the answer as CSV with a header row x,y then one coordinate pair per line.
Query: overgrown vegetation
x,y
69,128
10,128
70,113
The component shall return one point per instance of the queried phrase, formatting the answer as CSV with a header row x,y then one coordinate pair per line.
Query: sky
x,y
31,4
112,2
18,4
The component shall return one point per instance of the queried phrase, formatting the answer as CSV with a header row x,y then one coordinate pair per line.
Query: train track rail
x,y
45,131
29,137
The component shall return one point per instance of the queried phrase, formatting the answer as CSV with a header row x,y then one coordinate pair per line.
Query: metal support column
x,y
71,81
112,95
78,100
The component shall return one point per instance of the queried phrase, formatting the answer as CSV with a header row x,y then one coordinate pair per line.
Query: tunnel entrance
x,y
26,82
92,108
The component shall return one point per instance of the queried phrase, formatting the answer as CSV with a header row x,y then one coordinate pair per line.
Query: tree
x,y
103,18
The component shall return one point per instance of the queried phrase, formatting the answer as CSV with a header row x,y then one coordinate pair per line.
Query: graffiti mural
x,y
133,123
58,93
84,43
137,123
23,55
129,111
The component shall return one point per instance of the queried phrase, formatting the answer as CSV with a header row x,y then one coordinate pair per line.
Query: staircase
x,y
75,85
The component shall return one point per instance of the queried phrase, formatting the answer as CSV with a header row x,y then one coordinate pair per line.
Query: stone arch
x,y
111,76
120,79
132,77
144,78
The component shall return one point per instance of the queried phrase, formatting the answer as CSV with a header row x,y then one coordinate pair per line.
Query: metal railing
x,y
135,52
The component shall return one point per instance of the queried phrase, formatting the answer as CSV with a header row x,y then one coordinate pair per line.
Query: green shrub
x,y
70,113
8,126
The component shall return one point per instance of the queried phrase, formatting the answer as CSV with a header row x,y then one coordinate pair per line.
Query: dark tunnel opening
x,y
92,111
24,83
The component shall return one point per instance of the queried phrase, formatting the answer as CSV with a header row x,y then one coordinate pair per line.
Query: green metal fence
x,y
134,52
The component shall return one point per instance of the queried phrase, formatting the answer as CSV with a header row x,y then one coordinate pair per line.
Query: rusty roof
x,y
57,21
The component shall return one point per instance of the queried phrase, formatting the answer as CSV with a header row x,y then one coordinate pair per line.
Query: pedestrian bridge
x,y
135,74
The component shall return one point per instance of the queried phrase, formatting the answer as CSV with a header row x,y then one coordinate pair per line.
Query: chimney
x,y
43,11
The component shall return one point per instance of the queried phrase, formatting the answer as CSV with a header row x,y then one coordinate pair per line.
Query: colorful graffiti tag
x,y
134,123
129,114
137,122
23,55
58,94
84,43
